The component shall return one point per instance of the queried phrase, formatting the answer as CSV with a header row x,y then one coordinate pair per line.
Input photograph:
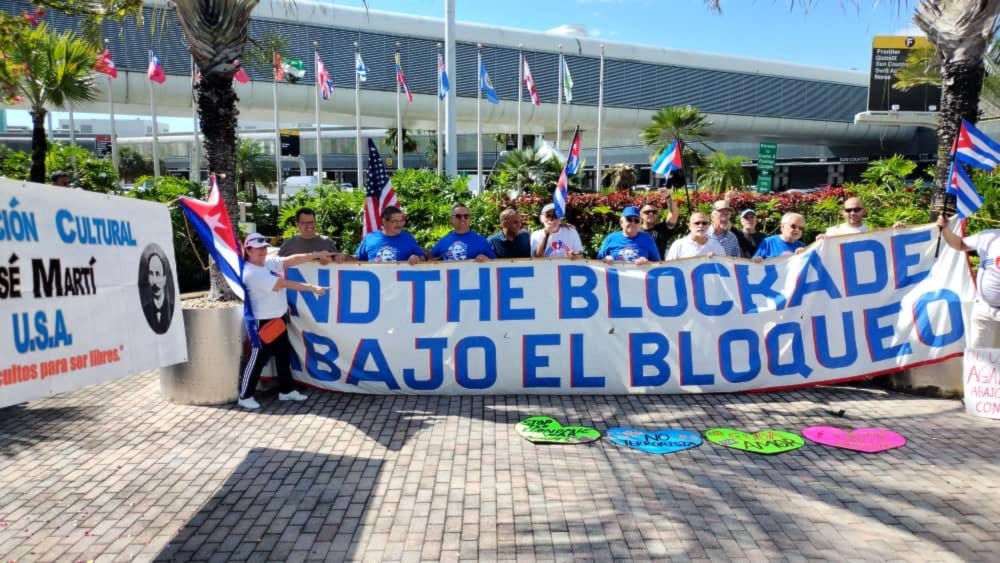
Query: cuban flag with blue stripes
x,y
974,148
967,199
561,195
670,159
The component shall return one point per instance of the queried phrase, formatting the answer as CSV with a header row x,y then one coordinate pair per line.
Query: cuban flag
x,y
530,83
561,194
443,84
402,80
323,79
155,71
670,159
974,148
487,85
967,199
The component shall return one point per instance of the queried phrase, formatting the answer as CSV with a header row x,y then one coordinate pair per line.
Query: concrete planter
x,y
938,380
215,343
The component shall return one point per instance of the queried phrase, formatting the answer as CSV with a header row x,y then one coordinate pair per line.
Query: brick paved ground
x,y
114,472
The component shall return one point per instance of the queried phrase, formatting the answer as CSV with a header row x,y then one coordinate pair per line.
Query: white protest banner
x,y
982,382
848,307
88,290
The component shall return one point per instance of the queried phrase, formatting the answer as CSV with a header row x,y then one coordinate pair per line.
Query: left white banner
x,y
88,290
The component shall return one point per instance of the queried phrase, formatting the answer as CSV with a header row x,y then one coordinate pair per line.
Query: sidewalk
x,y
115,472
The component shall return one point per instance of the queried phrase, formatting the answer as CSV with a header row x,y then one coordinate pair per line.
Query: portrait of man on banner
x,y
156,288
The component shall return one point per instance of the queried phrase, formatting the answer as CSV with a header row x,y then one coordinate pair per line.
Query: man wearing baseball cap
x,y
629,244
721,229
749,238
555,239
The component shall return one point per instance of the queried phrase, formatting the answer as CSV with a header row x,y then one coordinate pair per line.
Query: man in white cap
x,y
721,229
749,237
555,239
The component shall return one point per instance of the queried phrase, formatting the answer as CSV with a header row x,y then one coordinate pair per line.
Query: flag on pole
x,y
443,84
669,160
975,148
561,195
279,69
402,79
967,198
155,71
487,85
323,79
378,191
293,69
360,68
530,83
567,83
105,65
241,75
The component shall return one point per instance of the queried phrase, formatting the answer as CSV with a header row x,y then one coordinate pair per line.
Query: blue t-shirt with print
x,y
377,247
774,246
465,246
624,249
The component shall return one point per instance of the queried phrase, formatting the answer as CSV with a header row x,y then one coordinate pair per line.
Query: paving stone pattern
x,y
116,473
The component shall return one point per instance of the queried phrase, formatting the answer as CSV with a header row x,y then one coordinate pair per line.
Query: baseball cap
x,y
630,211
255,240
748,212
549,207
721,205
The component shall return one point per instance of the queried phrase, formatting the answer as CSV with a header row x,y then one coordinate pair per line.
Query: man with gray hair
x,y
721,229
787,242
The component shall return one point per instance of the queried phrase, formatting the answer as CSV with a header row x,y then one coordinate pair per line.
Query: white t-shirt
x,y
559,245
987,245
686,247
845,229
260,281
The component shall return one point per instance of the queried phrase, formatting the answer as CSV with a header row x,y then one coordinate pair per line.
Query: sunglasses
x,y
853,209
461,215
632,219
699,222
550,215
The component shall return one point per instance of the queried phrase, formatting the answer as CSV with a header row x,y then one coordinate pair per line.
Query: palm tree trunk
x,y
218,119
39,145
961,83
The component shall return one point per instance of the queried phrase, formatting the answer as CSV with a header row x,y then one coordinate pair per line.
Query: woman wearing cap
x,y
263,277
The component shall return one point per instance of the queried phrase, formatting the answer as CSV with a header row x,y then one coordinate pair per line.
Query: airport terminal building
x,y
809,112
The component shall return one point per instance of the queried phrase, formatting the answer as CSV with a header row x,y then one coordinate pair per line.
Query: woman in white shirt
x,y
263,277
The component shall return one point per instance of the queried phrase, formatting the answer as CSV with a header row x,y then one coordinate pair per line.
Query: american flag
x,y
323,79
378,191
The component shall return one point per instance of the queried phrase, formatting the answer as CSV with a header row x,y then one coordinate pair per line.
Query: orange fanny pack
x,y
271,330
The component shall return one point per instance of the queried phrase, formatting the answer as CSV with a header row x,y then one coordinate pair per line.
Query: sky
x,y
829,33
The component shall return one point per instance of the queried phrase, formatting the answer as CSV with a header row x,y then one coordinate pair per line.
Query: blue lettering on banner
x,y
489,373
532,360
773,342
577,377
640,359
506,293
849,252
436,347
616,310
17,225
653,294
822,283
698,276
925,329
685,357
456,294
93,230
568,292
876,333
346,280
726,342
319,307
822,340
321,356
902,261
765,288
419,278
369,349
35,332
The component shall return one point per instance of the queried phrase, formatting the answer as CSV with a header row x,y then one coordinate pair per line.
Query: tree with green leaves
x,y
675,122
722,172
889,173
409,143
132,164
254,165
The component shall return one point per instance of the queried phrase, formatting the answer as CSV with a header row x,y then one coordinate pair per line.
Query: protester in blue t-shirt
x,y
785,244
462,243
392,243
629,244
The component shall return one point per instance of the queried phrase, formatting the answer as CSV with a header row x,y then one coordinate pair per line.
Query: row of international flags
x,y
324,81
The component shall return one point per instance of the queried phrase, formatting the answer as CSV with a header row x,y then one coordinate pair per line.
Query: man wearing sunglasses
x,y
629,244
660,231
462,243
787,242
555,239
854,213
697,242
309,239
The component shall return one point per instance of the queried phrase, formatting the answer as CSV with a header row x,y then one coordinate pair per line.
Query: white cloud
x,y
910,30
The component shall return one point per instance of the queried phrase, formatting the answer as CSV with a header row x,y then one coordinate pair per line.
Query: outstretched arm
x,y
949,236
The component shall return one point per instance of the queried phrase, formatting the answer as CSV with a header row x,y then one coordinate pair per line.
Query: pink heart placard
x,y
867,440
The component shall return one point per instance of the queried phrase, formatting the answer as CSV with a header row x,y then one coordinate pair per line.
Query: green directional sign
x,y
765,166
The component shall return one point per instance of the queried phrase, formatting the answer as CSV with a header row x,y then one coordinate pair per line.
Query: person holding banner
x,y
697,243
555,239
308,239
266,288
511,241
391,243
629,244
786,243
462,243
985,321
660,231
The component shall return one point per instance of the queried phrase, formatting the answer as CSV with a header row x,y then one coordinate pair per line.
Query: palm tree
x,y
217,31
132,164
56,72
722,173
409,143
621,176
674,122
254,166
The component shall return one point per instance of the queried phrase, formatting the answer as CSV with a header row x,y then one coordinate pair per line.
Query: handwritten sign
x,y
982,382
867,440
659,441
762,442
549,430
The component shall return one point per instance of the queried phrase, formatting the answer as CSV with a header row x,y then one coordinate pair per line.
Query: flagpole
x,y
277,130
520,91
72,125
357,113
479,122
399,118
600,111
451,98
319,129
195,173
114,133
559,97
439,163
156,140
